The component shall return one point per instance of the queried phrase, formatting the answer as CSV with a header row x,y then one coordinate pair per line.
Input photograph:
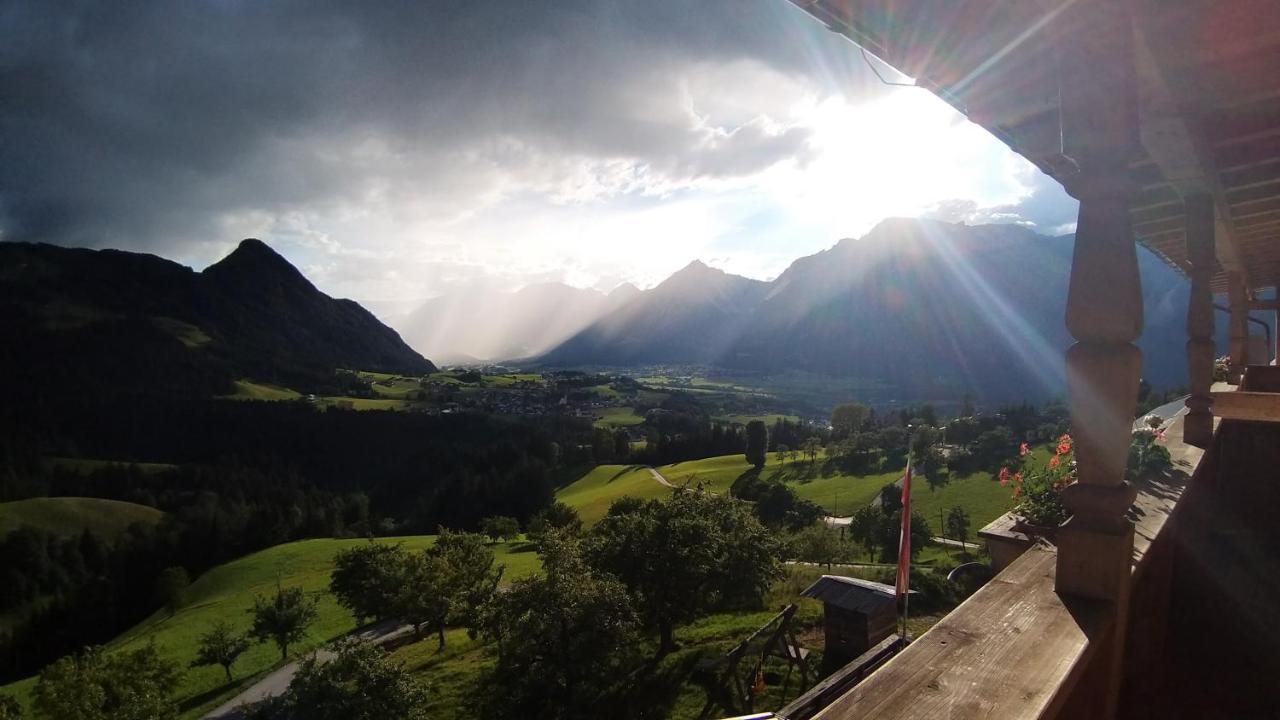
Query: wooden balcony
x,y
1201,611
1160,598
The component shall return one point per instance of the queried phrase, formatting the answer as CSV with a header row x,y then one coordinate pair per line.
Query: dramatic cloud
x,y
396,150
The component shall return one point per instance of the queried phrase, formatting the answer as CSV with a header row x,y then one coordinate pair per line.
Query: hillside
x,y
930,309
73,515
114,324
694,316
227,592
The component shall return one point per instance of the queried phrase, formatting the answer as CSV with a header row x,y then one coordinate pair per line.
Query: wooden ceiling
x,y
1208,76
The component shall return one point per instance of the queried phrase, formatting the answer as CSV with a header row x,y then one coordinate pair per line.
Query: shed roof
x,y
851,593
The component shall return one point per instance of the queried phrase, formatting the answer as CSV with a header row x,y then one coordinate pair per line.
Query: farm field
x,y
227,592
593,493
73,515
614,417
250,390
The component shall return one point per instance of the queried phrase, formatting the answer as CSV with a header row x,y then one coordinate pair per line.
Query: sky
x,y
398,151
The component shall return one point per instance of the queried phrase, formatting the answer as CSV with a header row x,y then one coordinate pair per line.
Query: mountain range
x,y
919,308
78,320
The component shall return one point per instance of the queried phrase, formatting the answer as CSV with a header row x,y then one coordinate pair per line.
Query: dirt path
x,y
277,681
658,476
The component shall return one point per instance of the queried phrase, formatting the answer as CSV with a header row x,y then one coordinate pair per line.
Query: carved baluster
x,y
1104,302
1104,315
1197,428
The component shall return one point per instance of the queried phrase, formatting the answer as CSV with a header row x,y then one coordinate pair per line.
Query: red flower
x,y
1017,492
1053,461
1004,476
1064,444
1023,449
1017,478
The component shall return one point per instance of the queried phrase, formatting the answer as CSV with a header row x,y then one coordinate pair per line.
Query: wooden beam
x,y
1244,405
1182,156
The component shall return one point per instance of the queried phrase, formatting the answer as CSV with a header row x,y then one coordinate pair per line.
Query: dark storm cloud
x,y
140,124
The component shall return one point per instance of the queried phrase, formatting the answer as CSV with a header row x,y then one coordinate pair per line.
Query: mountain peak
x,y
253,261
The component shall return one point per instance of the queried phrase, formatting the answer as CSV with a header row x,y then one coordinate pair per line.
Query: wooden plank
x,y
1013,650
1245,405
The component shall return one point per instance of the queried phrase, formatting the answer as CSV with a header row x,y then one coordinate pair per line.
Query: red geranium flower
x,y
1004,476
1023,449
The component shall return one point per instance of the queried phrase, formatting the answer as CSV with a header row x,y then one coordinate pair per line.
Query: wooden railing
x,y
1019,649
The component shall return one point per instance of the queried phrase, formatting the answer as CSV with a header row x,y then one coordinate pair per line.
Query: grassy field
x,y
84,466
593,493
978,493
227,592
250,390
768,419
613,417
72,515
837,494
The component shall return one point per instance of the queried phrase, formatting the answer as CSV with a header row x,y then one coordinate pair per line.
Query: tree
x,y
283,618
681,557
621,444
470,577
361,682
500,527
864,528
890,531
10,708
784,452
171,588
556,516
367,578
220,646
811,448
890,498
757,443
130,685
421,599
848,418
817,544
562,639
958,524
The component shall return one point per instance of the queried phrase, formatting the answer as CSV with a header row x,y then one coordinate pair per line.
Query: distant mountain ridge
x,y
925,308
131,320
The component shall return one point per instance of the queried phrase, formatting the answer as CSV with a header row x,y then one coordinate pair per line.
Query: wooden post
x,y
1197,427
1104,315
1238,325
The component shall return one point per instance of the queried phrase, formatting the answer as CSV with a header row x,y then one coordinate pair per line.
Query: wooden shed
x,y
857,614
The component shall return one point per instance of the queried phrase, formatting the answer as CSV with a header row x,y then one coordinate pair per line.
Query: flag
x,y
904,539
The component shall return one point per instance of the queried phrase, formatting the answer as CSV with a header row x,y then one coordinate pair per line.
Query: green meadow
x,y
613,417
227,592
73,515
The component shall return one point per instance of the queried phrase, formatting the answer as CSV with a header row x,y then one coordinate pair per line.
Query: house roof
x,y
1208,77
849,593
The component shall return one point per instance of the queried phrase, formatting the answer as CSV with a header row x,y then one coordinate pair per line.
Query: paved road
x,y
277,681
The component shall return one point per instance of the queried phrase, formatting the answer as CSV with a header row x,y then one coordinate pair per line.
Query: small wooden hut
x,y
857,614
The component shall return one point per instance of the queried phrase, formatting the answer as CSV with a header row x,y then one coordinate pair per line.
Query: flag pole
x,y
904,539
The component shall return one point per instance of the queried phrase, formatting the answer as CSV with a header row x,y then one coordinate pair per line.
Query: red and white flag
x,y
904,538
